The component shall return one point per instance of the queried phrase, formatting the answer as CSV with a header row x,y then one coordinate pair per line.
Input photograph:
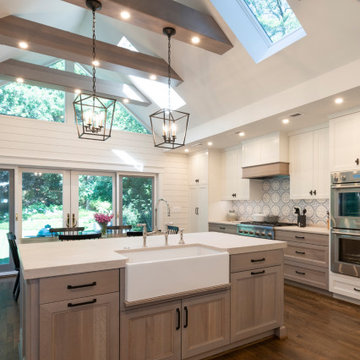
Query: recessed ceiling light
x,y
152,77
23,45
210,143
95,62
241,133
125,15
285,121
77,91
186,150
339,100
19,80
195,40
126,101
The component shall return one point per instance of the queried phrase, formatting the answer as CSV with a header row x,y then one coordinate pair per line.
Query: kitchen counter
x,y
224,222
70,257
309,229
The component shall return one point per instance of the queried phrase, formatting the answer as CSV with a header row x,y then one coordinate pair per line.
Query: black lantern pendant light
x,y
93,114
168,126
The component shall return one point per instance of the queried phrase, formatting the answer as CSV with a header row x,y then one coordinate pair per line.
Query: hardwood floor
x,y
319,328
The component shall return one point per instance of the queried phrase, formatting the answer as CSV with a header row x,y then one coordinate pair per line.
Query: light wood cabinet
x,y
344,143
151,332
206,322
81,329
256,301
309,165
233,186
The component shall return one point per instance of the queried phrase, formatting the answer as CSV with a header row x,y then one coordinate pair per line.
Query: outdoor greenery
x,y
4,216
275,16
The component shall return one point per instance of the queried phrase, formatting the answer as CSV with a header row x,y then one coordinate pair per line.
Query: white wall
x,y
36,143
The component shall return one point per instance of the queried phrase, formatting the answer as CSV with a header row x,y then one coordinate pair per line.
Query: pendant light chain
x,y
169,69
94,50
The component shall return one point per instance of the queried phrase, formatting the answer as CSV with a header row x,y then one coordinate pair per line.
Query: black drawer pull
x,y
356,289
300,272
71,287
93,301
299,237
178,319
186,317
257,260
222,227
300,252
258,272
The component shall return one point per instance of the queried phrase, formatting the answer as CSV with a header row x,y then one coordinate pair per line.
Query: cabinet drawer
x,y
314,276
346,288
307,253
241,262
79,285
229,229
305,237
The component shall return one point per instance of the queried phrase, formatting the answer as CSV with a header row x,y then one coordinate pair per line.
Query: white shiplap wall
x,y
36,143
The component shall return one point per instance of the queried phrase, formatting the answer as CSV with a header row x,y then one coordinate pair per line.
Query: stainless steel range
x,y
263,230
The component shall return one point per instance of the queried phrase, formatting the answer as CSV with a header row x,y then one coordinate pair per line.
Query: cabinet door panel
x,y
207,325
198,215
232,171
256,302
321,164
80,332
151,333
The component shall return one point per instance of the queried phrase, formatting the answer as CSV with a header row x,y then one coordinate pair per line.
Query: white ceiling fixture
x,y
339,100
125,15
23,45
285,121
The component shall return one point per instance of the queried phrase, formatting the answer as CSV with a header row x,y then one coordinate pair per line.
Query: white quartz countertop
x,y
40,260
308,229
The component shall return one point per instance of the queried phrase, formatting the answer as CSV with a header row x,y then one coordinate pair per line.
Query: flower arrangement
x,y
103,218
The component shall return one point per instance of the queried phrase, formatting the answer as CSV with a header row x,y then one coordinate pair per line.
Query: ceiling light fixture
x,y
241,133
20,80
23,44
125,15
209,143
93,114
186,150
152,77
195,40
339,101
95,63
285,121
77,91
172,124
126,101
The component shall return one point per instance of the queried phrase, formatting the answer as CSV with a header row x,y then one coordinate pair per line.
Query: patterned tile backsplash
x,y
276,201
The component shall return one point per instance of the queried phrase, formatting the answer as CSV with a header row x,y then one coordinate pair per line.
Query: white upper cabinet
x,y
344,143
266,149
198,168
234,187
309,165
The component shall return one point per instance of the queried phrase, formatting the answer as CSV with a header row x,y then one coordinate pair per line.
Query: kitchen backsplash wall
x,y
276,201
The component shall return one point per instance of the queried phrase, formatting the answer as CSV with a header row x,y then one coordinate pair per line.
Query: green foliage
x,y
4,196
275,16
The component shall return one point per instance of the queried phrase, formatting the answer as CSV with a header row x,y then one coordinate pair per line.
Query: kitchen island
x,y
75,303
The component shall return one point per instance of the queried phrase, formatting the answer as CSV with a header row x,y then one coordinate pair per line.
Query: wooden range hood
x,y
265,170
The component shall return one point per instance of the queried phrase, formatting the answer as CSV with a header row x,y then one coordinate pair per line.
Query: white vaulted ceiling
x,y
216,86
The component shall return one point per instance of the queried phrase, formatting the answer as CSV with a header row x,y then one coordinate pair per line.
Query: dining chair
x,y
118,229
14,253
67,237
65,231
172,229
134,233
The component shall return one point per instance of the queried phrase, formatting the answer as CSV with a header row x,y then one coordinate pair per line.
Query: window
x,y
263,27
126,44
124,120
80,70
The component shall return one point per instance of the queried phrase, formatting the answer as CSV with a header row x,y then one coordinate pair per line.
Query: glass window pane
x,y
95,196
137,199
4,215
42,203
275,17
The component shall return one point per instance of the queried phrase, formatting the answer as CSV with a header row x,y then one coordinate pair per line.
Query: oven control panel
x,y
345,177
259,231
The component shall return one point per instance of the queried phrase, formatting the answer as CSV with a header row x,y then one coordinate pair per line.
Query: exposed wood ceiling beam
x,y
154,15
67,81
65,45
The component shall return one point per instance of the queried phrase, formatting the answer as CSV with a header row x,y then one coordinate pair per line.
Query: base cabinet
x,y
176,330
256,301
81,329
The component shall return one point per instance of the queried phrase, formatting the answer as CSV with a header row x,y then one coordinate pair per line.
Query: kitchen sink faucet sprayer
x,y
144,233
156,211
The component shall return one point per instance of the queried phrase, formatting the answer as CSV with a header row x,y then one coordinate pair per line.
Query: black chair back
x,y
67,237
172,229
13,248
64,231
134,233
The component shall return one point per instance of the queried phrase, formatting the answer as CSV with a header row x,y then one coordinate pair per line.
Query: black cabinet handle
x,y
257,260
233,195
356,289
178,319
300,252
93,301
258,272
300,272
197,180
310,192
299,237
222,227
71,287
186,317
357,161
314,192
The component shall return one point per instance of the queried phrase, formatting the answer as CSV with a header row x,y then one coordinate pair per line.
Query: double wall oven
x,y
345,223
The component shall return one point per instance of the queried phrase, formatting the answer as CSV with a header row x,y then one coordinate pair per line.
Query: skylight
x,y
158,92
275,17
263,27
126,44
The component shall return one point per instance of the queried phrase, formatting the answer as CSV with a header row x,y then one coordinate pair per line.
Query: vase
x,y
103,228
